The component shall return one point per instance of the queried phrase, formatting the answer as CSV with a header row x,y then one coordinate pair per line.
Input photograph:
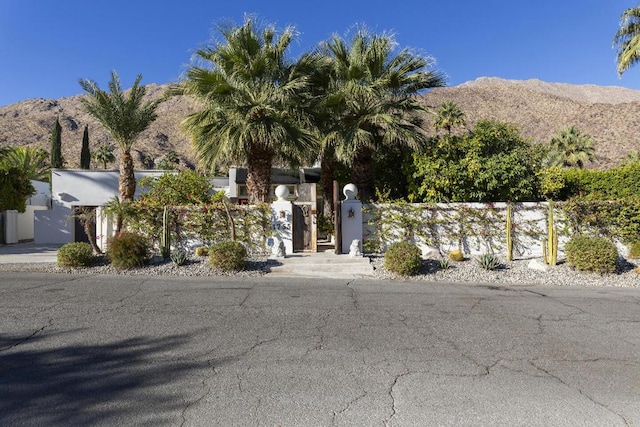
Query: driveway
x,y
125,350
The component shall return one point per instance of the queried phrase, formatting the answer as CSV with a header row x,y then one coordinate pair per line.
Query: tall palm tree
x,y
250,108
32,162
104,155
627,40
371,96
125,117
571,148
448,116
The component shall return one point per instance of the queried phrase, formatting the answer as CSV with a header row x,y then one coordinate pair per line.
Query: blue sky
x,y
46,46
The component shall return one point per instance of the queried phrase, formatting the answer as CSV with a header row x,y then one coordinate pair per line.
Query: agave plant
x,y
445,264
489,262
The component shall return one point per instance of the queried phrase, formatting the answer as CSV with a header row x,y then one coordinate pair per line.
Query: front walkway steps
x,y
321,264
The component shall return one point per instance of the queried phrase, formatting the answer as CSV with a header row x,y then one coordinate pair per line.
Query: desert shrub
x,y
456,255
489,262
403,258
179,258
77,254
228,255
127,250
202,251
594,254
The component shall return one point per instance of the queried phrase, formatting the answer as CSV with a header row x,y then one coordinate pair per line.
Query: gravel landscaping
x,y
195,266
516,272
511,272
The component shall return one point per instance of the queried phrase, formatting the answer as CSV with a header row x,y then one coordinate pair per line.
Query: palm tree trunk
x,y
327,167
259,163
127,178
90,229
362,172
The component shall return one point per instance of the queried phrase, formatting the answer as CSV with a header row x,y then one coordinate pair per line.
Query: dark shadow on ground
x,y
108,383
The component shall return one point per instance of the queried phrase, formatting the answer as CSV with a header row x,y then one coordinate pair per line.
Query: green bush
x,y
620,183
77,254
228,255
403,258
594,254
634,249
127,250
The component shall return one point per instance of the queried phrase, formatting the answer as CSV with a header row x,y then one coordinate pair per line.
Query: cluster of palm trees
x,y
340,103
259,108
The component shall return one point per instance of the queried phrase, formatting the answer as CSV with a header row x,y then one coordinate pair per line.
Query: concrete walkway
x,y
25,253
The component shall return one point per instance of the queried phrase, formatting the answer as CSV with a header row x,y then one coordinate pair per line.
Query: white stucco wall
x,y
77,187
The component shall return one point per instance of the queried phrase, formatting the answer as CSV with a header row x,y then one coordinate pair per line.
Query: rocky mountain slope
x,y
611,115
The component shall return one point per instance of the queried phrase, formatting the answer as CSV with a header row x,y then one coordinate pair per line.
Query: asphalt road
x,y
125,350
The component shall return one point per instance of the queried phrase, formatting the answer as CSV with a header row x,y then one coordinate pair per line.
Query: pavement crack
x,y
582,392
353,294
347,406
394,409
246,297
206,389
27,338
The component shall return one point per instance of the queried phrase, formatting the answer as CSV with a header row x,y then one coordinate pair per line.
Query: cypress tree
x,y
85,154
56,145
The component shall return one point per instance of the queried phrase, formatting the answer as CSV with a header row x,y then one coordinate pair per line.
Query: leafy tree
x,y
104,155
627,40
571,148
371,100
31,162
56,145
491,163
448,116
85,154
249,96
15,189
124,117
183,188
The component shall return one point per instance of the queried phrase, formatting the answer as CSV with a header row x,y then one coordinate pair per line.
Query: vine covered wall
x,y
205,224
478,228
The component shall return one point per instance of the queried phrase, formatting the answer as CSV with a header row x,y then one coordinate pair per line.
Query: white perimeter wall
x,y
76,187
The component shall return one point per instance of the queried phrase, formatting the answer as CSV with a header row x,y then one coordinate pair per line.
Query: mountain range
x,y
609,114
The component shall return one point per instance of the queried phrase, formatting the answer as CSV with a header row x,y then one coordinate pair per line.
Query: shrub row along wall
x,y
478,228
205,224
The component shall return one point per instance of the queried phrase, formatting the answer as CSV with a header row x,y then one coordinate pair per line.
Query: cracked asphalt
x,y
132,350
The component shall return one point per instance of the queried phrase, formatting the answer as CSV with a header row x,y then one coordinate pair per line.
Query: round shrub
x,y
228,255
456,255
594,254
77,254
127,250
403,258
